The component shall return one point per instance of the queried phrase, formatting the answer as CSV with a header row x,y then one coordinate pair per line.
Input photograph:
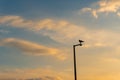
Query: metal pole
x,y
74,56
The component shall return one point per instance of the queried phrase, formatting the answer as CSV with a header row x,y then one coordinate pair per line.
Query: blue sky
x,y
41,8
36,39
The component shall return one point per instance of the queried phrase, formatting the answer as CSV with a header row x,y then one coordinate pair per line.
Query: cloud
x,y
29,74
104,6
56,30
15,21
63,31
66,32
32,48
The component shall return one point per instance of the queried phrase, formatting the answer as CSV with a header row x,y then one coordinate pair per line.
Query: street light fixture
x,y
74,56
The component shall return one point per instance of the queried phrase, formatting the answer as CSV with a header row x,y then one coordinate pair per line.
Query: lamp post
x,y
74,57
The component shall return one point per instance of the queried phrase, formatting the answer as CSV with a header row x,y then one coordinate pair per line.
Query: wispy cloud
x,y
59,31
62,31
15,21
32,48
29,74
104,6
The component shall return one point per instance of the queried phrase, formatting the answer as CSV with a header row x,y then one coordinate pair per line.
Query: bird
x,y
81,41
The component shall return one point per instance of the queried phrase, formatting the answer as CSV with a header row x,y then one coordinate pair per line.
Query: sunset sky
x,y
37,38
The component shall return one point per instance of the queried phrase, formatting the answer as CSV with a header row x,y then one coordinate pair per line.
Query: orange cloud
x,y
32,48
16,21
64,31
104,6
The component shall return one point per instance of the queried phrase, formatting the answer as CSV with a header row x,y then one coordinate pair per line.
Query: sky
x,y
37,38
